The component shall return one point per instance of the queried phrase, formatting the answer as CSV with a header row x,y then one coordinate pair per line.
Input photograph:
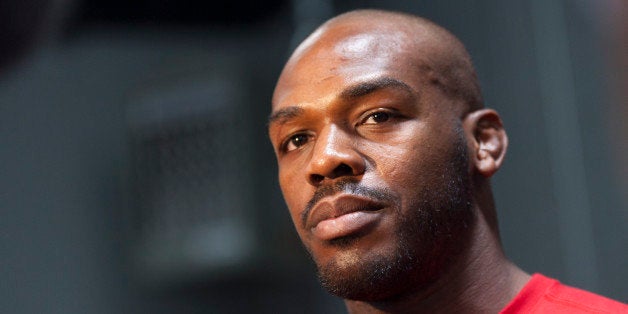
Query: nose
x,y
334,156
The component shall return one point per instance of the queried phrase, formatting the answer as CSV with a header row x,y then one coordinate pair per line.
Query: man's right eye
x,y
296,141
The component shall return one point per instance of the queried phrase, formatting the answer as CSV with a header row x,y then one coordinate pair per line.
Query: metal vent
x,y
191,189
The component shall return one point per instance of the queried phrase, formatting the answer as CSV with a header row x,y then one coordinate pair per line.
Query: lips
x,y
343,215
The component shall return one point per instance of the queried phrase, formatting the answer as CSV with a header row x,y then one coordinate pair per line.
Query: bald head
x,y
384,156
428,48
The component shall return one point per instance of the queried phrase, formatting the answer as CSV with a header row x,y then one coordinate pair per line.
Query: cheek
x,y
404,160
414,164
294,193
399,165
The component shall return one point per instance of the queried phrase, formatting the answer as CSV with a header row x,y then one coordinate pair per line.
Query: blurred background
x,y
136,175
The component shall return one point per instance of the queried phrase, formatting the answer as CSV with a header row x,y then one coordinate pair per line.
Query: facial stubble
x,y
428,240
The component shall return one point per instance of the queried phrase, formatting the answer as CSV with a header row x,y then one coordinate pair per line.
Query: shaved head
x,y
436,52
384,153
383,84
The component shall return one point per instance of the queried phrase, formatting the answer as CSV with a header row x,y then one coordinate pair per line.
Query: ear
x,y
487,140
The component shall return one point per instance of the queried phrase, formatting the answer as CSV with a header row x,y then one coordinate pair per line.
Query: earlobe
x,y
488,140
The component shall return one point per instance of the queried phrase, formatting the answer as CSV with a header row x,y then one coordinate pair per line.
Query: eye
x,y
377,117
296,141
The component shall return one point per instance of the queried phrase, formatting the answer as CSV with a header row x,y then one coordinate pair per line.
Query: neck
x,y
483,281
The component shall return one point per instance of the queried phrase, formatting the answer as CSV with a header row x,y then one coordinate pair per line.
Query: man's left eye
x,y
377,117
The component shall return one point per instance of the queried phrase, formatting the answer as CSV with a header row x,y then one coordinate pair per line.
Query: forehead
x,y
342,56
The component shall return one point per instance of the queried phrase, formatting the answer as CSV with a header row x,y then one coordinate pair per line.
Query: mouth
x,y
343,215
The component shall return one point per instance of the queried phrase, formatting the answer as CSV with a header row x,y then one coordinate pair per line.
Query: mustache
x,y
350,187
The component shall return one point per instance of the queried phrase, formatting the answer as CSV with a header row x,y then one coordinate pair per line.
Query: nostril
x,y
343,170
316,178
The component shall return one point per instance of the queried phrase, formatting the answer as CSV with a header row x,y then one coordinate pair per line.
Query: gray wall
x,y
76,202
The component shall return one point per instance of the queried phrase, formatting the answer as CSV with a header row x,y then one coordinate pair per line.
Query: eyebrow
x,y
361,89
282,115
368,87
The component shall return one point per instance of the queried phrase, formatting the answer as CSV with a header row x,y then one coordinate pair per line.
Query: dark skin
x,y
385,155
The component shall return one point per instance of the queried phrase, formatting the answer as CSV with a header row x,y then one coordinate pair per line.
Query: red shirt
x,y
546,295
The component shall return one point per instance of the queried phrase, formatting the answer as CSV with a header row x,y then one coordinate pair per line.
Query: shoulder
x,y
546,295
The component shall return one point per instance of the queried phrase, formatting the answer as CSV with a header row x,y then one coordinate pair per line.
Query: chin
x,y
412,260
378,273
372,278
386,275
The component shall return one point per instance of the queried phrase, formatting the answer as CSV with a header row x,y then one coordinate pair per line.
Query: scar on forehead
x,y
282,115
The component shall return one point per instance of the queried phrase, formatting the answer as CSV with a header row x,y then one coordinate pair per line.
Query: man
x,y
385,154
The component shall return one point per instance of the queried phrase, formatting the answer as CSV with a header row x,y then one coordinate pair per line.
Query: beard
x,y
429,239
